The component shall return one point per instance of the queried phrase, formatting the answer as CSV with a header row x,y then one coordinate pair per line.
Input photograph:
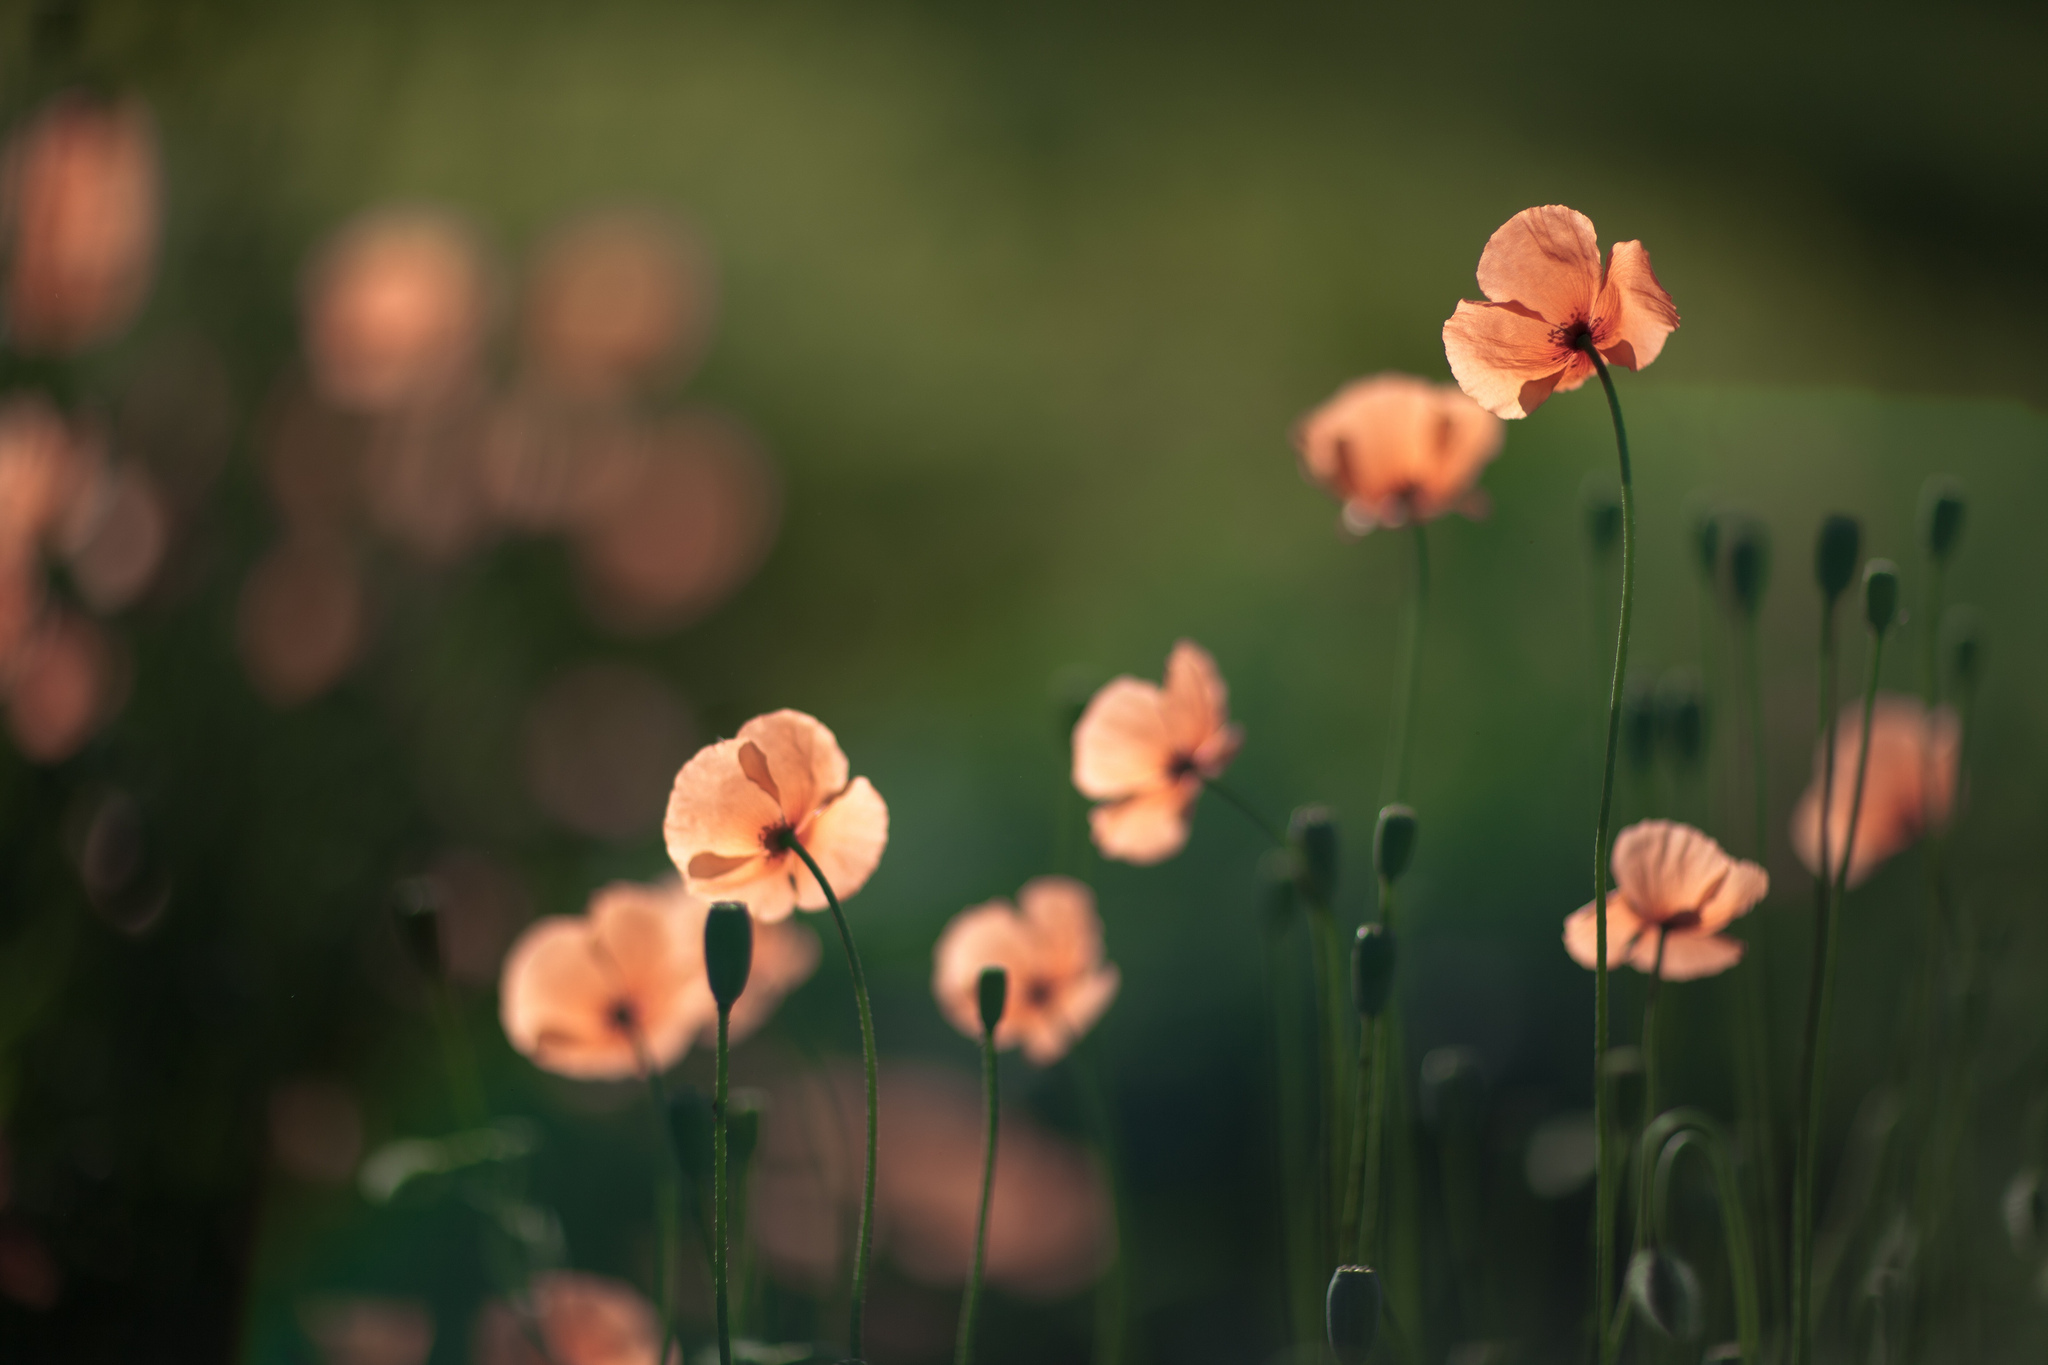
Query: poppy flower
x,y
1908,789
583,1319
617,299
1144,751
1050,943
1670,882
603,995
65,683
301,621
1547,298
1394,449
737,804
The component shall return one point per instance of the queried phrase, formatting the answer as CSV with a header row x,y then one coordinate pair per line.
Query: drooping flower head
x,y
737,804
1393,449
1908,790
1050,943
1144,751
601,995
1671,882
1547,298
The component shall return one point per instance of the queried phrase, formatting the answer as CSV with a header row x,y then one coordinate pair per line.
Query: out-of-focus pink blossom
x,y
301,621
616,299
64,684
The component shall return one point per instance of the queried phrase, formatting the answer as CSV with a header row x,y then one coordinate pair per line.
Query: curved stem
x,y
721,1193
865,1236
963,1352
1248,810
1668,1136
1604,1194
1396,781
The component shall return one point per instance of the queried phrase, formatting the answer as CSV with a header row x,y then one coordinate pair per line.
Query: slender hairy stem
x,y
1330,1076
1818,1019
1604,1195
1248,810
1112,1314
865,1236
963,1352
1395,782
1375,1117
721,1193
1802,1168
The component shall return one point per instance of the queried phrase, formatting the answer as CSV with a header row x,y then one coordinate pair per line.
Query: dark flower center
x,y
623,1017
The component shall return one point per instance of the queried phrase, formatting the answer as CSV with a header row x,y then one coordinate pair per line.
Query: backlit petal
x,y
1195,699
1144,829
1122,744
846,838
805,759
1546,259
716,809
1687,956
1582,933
1507,359
1635,314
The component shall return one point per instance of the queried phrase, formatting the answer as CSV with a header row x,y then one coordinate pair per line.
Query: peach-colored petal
x,y
1582,932
1688,955
1072,1013
716,811
1673,872
583,1319
804,760
1194,702
1508,359
846,837
1908,789
554,998
987,935
1546,259
1394,448
1051,948
1061,914
1122,743
1147,828
63,687
654,960
1633,315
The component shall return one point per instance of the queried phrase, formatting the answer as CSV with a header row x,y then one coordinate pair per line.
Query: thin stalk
x,y
1330,1075
1368,1248
1818,1019
1287,1084
1802,1192
1395,783
668,1193
721,1192
1112,1316
1668,1136
1604,1195
1754,1057
1618,1328
865,1236
1248,810
963,1352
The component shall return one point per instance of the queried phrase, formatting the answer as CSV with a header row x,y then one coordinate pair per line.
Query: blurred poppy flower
x,y
42,467
64,685
1673,882
583,1319
301,620
316,1129
605,994
1144,752
785,955
396,305
615,299
736,803
80,204
116,537
601,744
369,1331
1394,449
1909,788
552,466
1050,943
1548,297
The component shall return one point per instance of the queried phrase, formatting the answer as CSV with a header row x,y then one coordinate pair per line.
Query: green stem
x,y
668,1193
1113,1306
1802,1174
1396,781
865,1236
1294,1201
1650,992
1330,1026
721,1193
1668,1136
1369,1182
1753,1058
963,1352
1249,811
1604,1195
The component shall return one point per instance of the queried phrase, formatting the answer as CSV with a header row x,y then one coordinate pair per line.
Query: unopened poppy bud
x,y
419,925
1703,519
2026,1212
1601,504
1276,888
1749,564
1835,553
1372,969
1881,594
1314,833
1393,842
1352,1312
1941,517
1666,1292
728,951
991,993
1682,718
1962,631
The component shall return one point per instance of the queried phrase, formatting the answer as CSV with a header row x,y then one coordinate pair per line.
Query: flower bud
x,y
1393,842
1276,893
2026,1212
1600,502
1352,1313
728,951
1941,517
1703,519
992,992
1682,718
1313,831
1834,554
1666,1292
419,925
1881,594
1962,631
1749,564
1372,969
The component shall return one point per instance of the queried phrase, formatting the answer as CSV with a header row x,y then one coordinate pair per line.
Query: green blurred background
x,y
1024,302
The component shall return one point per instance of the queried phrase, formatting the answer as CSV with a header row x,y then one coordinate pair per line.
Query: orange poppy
x,y
1050,943
1394,449
606,994
737,803
1547,298
1144,751
1674,884
1909,788
65,683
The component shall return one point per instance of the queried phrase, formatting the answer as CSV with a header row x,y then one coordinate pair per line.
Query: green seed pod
x,y
1352,1312
418,914
1835,553
1881,594
1313,831
1276,889
1682,718
1600,504
1941,517
728,951
1962,633
992,992
1748,563
1666,1292
1393,842
1372,969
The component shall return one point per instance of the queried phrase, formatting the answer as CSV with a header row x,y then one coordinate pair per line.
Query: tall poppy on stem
x,y
1145,752
772,817
991,991
1554,317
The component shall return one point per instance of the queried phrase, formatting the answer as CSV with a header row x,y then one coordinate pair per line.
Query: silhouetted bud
x,y
1352,1313
1452,1088
1749,564
1682,718
1600,502
419,925
2026,1212
1276,888
1372,969
1666,1293
1314,833
1393,842
1881,594
1639,724
1703,520
728,951
1941,517
1835,554
992,992
1962,632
